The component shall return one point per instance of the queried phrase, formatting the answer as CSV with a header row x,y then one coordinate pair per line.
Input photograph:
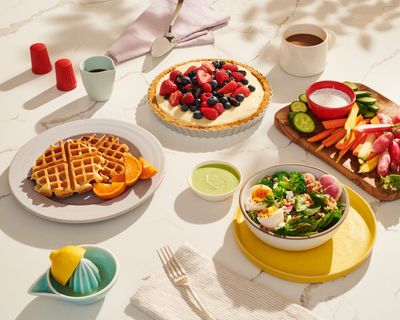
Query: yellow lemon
x,y
64,262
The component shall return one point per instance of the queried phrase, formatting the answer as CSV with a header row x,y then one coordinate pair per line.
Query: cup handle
x,y
331,38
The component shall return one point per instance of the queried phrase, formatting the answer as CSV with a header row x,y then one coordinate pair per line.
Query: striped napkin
x,y
225,295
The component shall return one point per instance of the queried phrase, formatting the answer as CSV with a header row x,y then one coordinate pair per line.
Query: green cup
x,y
98,75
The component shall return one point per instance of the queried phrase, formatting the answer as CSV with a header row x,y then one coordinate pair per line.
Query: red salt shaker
x,y
65,75
40,58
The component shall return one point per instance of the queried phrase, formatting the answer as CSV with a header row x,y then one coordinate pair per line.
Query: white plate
x,y
86,207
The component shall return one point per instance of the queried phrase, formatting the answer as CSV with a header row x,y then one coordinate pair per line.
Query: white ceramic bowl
x,y
214,197
290,243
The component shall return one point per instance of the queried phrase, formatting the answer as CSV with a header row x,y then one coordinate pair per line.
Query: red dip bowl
x,y
324,112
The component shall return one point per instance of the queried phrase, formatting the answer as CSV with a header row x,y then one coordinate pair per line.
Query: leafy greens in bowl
x,y
294,202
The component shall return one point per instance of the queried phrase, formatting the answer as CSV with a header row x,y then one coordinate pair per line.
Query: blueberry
x,y
221,63
227,105
178,79
197,102
216,64
197,92
252,88
183,90
233,102
166,97
184,107
185,80
245,81
197,114
214,84
192,73
228,72
193,108
212,101
219,95
242,72
223,100
239,97
194,80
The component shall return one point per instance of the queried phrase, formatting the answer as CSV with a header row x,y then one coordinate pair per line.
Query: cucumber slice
x,y
352,85
303,122
367,101
290,117
363,109
360,94
298,106
373,108
303,98
369,114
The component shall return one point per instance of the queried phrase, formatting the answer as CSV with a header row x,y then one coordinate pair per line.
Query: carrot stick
x,y
335,123
354,138
372,154
320,135
343,143
334,137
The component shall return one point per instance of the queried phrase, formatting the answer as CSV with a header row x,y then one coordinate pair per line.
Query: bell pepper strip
x,y
335,123
375,120
369,165
320,135
351,120
366,148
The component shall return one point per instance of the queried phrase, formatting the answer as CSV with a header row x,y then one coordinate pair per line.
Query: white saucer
x,y
86,207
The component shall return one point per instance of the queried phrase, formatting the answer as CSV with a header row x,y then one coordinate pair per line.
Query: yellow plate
x,y
346,251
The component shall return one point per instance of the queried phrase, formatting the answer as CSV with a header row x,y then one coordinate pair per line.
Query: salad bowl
x,y
290,242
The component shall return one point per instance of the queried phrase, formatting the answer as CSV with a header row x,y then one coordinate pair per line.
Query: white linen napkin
x,y
225,295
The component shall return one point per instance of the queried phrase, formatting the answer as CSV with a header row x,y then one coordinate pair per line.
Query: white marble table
x,y
367,51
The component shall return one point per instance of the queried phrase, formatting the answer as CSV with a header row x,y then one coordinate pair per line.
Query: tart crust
x,y
152,97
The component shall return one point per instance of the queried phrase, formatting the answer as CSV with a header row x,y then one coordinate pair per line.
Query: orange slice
x,y
133,169
148,170
108,191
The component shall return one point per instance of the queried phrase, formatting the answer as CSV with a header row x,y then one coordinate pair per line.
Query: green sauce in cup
x,y
215,178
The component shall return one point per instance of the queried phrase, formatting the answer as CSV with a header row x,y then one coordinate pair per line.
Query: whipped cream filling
x,y
246,108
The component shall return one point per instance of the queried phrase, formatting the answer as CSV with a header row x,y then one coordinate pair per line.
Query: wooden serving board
x,y
349,164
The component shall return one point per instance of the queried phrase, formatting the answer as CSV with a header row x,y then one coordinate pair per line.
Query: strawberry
x,y
206,87
188,86
209,113
189,70
228,88
204,104
204,96
202,68
239,84
221,76
230,66
175,97
243,90
187,98
238,76
219,107
209,67
203,77
173,74
167,87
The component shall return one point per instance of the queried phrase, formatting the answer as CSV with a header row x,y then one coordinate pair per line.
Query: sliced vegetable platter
x,y
347,163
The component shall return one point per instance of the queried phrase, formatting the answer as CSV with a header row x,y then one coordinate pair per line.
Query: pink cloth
x,y
193,27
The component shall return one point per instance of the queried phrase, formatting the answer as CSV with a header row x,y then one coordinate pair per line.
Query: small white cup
x,y
305,61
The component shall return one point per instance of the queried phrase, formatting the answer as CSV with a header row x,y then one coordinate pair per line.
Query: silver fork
x,y
178,275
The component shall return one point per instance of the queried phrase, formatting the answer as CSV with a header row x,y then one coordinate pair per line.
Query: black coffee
x,y
304,39
97,70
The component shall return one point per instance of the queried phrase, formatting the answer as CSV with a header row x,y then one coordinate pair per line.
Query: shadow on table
x,y
18,80
26,228
43,98
81,108
53,308
135,313
177,141
193,209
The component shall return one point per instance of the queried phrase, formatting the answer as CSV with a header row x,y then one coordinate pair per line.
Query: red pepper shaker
x,y
65,75
40,58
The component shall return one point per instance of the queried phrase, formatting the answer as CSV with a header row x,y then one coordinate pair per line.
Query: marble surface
x,y
367,50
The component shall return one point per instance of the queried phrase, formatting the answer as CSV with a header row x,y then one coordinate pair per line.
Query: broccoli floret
x,y
280,175
391,182
279,193
267,182
295,183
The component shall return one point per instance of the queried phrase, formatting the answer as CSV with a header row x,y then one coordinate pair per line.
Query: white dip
x,y
330,98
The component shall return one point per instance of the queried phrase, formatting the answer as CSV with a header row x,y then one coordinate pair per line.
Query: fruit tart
x,y
209,97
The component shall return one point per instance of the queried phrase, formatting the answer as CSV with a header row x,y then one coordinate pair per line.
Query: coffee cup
x,y
98,75
304,49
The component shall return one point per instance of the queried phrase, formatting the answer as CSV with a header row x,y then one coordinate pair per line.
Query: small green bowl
x,y
108,266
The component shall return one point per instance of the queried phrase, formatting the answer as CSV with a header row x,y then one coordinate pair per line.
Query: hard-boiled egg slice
x,y
259,193
271,217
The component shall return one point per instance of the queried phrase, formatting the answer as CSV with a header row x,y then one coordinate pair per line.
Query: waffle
x,y
67,168
111,150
